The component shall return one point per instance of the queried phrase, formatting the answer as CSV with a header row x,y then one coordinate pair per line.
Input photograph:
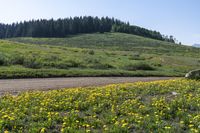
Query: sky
x,y
180,18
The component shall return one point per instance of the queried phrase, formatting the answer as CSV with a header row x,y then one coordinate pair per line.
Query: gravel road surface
x,y
17,85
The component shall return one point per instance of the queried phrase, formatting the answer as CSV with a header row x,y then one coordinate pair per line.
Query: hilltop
x,y
108,54
76,25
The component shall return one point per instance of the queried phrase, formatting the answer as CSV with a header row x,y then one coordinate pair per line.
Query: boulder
x,y
195,74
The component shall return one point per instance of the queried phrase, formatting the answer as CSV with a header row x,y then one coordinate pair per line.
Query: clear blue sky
x,y
180,18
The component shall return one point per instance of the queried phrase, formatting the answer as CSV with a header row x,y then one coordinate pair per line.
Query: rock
x,y
174,93
195,74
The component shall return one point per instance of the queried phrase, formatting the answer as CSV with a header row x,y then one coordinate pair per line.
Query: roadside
x,y
15,86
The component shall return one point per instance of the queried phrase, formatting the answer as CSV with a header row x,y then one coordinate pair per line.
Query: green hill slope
x,y
114,41
108,54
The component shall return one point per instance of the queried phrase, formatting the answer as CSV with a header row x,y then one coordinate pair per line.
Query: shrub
x,y
90,52
52,58
156,64
91,60
62,65
3,59
32,62
138,66
101,66
136,56
17,59
68,64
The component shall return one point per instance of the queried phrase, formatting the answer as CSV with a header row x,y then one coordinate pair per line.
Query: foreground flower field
x,y
161,106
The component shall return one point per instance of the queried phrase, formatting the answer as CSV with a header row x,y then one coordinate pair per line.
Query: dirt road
x,y
17,85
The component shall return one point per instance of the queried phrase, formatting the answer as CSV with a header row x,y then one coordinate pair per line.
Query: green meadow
x,y
108,54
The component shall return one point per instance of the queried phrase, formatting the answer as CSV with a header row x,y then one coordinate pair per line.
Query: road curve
x,y
17,85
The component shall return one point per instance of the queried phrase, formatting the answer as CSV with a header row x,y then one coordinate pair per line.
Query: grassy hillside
x,y
163,106
109,54
116,41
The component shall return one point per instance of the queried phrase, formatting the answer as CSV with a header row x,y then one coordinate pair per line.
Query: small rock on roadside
x,y
174,93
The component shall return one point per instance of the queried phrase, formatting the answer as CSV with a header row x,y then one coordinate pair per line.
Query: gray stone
x,y
174,93
195,74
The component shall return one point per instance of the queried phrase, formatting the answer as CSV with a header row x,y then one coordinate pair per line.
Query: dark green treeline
x,y
76,25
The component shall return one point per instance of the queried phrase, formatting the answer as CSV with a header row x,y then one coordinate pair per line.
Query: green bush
x,y
69,64
156,64
90,52
101,66
92,60
52,58
62,65
17,59
3,59
136,56
138,66
32,62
